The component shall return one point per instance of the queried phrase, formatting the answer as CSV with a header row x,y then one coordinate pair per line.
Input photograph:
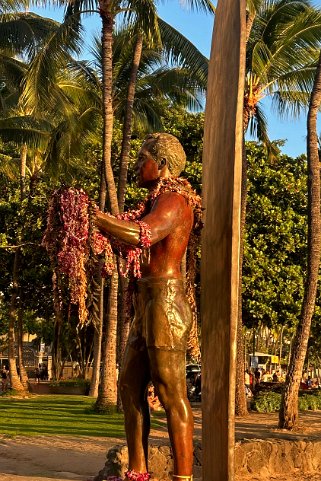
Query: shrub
x,y
269,401
266,402
76,382
310,401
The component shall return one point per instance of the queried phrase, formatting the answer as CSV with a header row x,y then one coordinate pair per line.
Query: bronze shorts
x,y
163,316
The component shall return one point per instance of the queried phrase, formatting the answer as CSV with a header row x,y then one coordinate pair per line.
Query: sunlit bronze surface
x,y
157,340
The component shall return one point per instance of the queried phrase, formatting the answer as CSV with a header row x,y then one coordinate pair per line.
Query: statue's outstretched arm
x,y
165,215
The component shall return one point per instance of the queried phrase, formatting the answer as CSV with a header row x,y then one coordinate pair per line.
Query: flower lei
x,y
135,476
69,236
133,254
66,240
107,245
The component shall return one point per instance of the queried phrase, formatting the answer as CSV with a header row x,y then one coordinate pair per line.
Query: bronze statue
x,y
156,345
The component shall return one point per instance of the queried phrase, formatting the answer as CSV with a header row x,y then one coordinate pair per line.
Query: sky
x,y
198,28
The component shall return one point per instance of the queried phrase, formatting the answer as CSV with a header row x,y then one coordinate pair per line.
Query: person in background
x,y
257,375
4,378
247,379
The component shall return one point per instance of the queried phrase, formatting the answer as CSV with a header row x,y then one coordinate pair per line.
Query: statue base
x,y
160,463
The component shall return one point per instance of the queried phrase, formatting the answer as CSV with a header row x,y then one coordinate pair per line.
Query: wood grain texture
x,y
222,163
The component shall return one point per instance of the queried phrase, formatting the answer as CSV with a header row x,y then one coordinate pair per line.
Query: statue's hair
x,y
166,146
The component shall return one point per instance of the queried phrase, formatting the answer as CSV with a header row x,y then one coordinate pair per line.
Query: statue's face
x,y
146,167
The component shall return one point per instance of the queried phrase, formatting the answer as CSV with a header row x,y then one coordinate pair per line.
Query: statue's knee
x,y
124,389
166,397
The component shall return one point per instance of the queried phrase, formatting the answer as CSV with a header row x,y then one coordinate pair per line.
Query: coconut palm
x,y
283,39
21,35
58,138
288,415
282,54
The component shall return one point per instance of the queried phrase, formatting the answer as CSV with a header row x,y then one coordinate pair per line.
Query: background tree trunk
x,y
127,128
98,336
107,396
22,371
289,412
240,397
56,352
14,378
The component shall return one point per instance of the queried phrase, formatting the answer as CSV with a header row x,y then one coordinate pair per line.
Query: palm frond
x,y
143,15
9,167
12,5
147,115
290,103
258,128
23,33
54,55
178,50
202,5
11,71
68,140
253,6
301,31
25,129
173,84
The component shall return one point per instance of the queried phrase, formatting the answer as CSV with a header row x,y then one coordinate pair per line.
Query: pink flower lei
x,y
70,236
135,476
133,254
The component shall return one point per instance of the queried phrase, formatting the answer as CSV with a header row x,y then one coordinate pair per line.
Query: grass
x,y
59,415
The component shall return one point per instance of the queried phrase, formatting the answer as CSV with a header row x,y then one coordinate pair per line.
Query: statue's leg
x,y
134,378
168,376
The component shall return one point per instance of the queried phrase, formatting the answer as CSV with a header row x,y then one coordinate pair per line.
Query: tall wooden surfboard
x,y
222,166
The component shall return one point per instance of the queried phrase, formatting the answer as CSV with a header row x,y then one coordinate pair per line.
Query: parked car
x,y
193,382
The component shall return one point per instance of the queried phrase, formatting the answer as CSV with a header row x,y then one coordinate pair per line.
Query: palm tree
x,y
283,39
61,137
288,415
282,53
20,34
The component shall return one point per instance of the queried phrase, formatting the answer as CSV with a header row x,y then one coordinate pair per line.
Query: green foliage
x,y
266,402
310,401
275,239
281,58
269,401
75,382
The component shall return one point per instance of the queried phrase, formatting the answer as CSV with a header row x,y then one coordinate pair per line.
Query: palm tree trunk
x,y
22,371
250,17
107,396
16,384
98,335
107,75
123,321
56,357
14,378
288,415
23,164
240,396
127,128
122,327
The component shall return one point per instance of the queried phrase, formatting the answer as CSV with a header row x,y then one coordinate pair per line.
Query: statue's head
x,y
166,149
